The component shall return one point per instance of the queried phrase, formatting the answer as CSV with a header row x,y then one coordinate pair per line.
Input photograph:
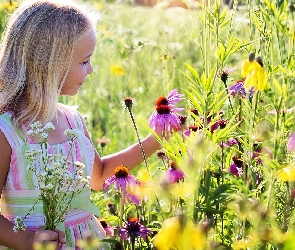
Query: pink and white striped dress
x,y
20,191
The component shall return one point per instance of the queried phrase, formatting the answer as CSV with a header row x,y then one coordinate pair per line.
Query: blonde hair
x,y
36,53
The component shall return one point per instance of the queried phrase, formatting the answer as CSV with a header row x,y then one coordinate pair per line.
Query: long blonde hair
x,y
35,56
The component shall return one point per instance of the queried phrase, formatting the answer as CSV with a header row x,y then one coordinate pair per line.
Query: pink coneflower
x,y
191,129
219,124
258,151
108,229
165,118
291,143
174,97
174,173
237,167
229,143
133,229
238,89
121,179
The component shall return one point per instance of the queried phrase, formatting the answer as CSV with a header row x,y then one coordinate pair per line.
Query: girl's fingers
x,y
61,236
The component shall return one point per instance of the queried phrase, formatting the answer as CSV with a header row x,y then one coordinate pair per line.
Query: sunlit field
x,y
225,179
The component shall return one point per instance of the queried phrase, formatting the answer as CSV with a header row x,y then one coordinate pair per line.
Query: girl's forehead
x,y
86,45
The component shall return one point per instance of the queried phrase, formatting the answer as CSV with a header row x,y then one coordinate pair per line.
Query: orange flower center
x,y
121,171
162,101
132,219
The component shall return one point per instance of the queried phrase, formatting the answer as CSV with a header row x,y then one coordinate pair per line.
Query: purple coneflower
x,y
259,150
190,129
174,97
219,124
291,143
229,143
238,89
165,118
174,174
237,167
108,229
132,230
121,179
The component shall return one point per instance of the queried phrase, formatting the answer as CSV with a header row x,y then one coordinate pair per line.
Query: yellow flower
x,y
117,70
287,173
254,74
179,235
44,246
8,6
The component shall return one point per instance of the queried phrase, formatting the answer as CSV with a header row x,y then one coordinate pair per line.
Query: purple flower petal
x,y
174,97
291,143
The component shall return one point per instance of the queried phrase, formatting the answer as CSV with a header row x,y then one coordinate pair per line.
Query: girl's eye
x,y
84,63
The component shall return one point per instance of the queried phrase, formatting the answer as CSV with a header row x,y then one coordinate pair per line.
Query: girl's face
x,y
81,65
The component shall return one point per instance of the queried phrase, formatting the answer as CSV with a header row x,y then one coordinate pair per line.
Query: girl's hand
x,y
54,238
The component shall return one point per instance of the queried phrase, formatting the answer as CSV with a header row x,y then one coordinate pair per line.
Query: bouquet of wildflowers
x,y
58,185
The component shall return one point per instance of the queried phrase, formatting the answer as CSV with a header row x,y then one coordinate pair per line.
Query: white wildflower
x,y
79,164
72,133
49,186
49,126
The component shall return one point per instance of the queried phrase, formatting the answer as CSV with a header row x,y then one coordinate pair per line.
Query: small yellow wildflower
x,y
117,70
175,234
253,72
287,173
9,6
98,6
44,246
88,241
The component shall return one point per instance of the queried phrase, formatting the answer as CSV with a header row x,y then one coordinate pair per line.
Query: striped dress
x,y
20,190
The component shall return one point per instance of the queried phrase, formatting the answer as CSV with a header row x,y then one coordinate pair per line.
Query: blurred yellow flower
x,y
44,246
88,241
242,244
287,173
182,189
254,74
10,6
117,70
98,5
179,235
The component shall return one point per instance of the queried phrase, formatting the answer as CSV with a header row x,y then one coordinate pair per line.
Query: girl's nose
x,y
89,69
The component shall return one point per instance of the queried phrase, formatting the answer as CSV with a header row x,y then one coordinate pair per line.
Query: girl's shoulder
x,y
73,115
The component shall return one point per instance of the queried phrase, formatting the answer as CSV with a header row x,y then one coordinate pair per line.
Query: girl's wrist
x,y
29,240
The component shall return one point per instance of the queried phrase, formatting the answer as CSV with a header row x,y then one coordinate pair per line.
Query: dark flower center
x,y
128,102
133,226
194,128
173,165
121,171
182,119
161,154
222,124
238,162
104,224
162,101
194,111
163,109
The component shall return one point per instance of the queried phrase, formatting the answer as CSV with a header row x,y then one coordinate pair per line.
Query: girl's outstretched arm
x,y
131,157
22,240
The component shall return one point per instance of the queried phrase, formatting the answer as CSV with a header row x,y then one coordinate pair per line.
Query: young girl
x,y
45,52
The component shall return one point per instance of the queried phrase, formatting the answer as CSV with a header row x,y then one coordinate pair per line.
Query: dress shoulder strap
x,y
13,135
73,117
